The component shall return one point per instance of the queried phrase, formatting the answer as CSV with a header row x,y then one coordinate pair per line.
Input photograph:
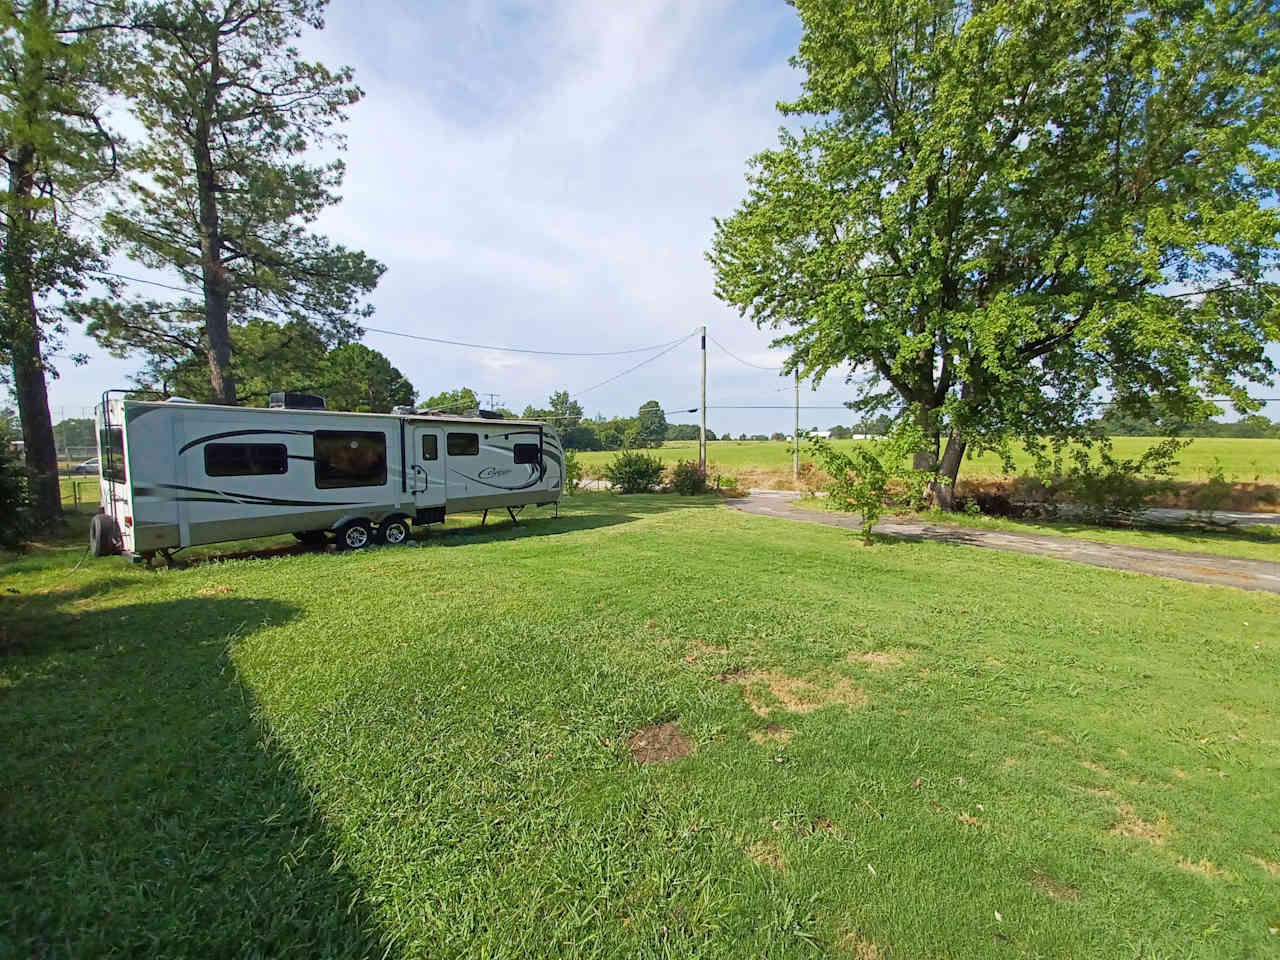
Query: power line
x,y
616,376
745,363
542,353
452,343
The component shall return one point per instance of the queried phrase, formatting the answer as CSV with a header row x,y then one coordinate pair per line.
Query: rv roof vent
x,y
295,401
402,411
179,400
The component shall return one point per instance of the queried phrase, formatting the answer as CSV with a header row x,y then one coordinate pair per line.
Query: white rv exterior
x,y
177,475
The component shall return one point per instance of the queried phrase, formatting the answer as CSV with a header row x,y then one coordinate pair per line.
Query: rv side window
x,y
525,452
350,459
463,444
245,459
430,451
111,453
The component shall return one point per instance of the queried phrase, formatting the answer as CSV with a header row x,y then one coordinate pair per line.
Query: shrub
x,y
572,473
1214,495
688,478
16,518
1113,491
632,472
872,475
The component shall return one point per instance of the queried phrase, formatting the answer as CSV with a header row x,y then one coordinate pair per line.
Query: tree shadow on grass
x,y
143,808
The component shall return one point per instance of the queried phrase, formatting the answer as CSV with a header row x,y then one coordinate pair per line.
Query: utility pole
x,y
795,437
702,435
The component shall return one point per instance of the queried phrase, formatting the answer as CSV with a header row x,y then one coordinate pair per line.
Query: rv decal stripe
x,y
237,433
525,486
248,499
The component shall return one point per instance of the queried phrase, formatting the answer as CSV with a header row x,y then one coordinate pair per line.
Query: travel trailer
x,y
176,474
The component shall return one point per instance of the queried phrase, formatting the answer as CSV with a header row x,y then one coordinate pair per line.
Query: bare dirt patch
x,y
1050,887
1131,825
1179,773
1206,868
820,825
774,735
767,690
859,947
879,660
767,854
968,819
659,743
214,591
1095,767
1270,866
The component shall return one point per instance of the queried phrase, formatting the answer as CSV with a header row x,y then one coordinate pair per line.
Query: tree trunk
x,y
23,322
944,488
217,294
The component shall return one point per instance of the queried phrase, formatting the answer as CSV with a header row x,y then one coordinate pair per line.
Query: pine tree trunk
x,y
217,295
23,322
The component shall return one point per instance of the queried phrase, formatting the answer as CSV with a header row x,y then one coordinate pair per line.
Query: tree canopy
x,y
1003,212
453,401
57,68
223,193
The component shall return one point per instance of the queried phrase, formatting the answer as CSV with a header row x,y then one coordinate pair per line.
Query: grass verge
x,y
910,750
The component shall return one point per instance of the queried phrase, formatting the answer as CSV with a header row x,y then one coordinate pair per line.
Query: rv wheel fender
x,y
355,535
394,530
104,540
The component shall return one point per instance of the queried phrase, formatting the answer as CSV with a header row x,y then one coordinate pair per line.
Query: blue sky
x,y
545,175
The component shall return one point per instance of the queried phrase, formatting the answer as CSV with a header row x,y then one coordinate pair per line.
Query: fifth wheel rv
x,y
179,474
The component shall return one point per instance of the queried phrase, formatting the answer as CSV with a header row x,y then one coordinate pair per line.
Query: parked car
x,y
89,466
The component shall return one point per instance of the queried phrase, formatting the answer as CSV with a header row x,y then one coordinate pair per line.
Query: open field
x,y
1242,461
427,750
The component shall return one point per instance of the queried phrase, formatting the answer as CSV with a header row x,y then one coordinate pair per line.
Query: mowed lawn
x,y
1242,461
908,750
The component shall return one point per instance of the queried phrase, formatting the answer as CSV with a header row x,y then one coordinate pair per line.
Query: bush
x,y
1114,491
1214,495
632,472
727,484
572,473
16,518
688,478
872,475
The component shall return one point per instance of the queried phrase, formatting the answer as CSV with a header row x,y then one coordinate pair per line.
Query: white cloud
x,y
545,175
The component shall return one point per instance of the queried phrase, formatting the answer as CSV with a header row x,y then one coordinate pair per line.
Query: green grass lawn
x,y
1248,541
907,750
1243,461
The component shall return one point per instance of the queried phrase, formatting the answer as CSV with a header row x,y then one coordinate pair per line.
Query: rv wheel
x,y
355,535
102,536
393,531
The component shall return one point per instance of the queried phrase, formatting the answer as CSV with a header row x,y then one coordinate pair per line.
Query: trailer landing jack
x,y
484,517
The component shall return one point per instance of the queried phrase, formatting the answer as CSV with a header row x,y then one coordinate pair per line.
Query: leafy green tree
x,y
999,208
453,401
650,427
57,65
265,357
74,432
223,195
358,378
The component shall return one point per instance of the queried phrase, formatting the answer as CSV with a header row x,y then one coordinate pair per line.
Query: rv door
x,y
425,461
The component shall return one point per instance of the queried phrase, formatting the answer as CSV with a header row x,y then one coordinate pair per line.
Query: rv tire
x,y
103,540
355,535
394,531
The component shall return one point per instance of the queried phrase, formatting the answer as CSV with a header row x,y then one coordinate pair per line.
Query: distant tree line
x,y
1116,423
